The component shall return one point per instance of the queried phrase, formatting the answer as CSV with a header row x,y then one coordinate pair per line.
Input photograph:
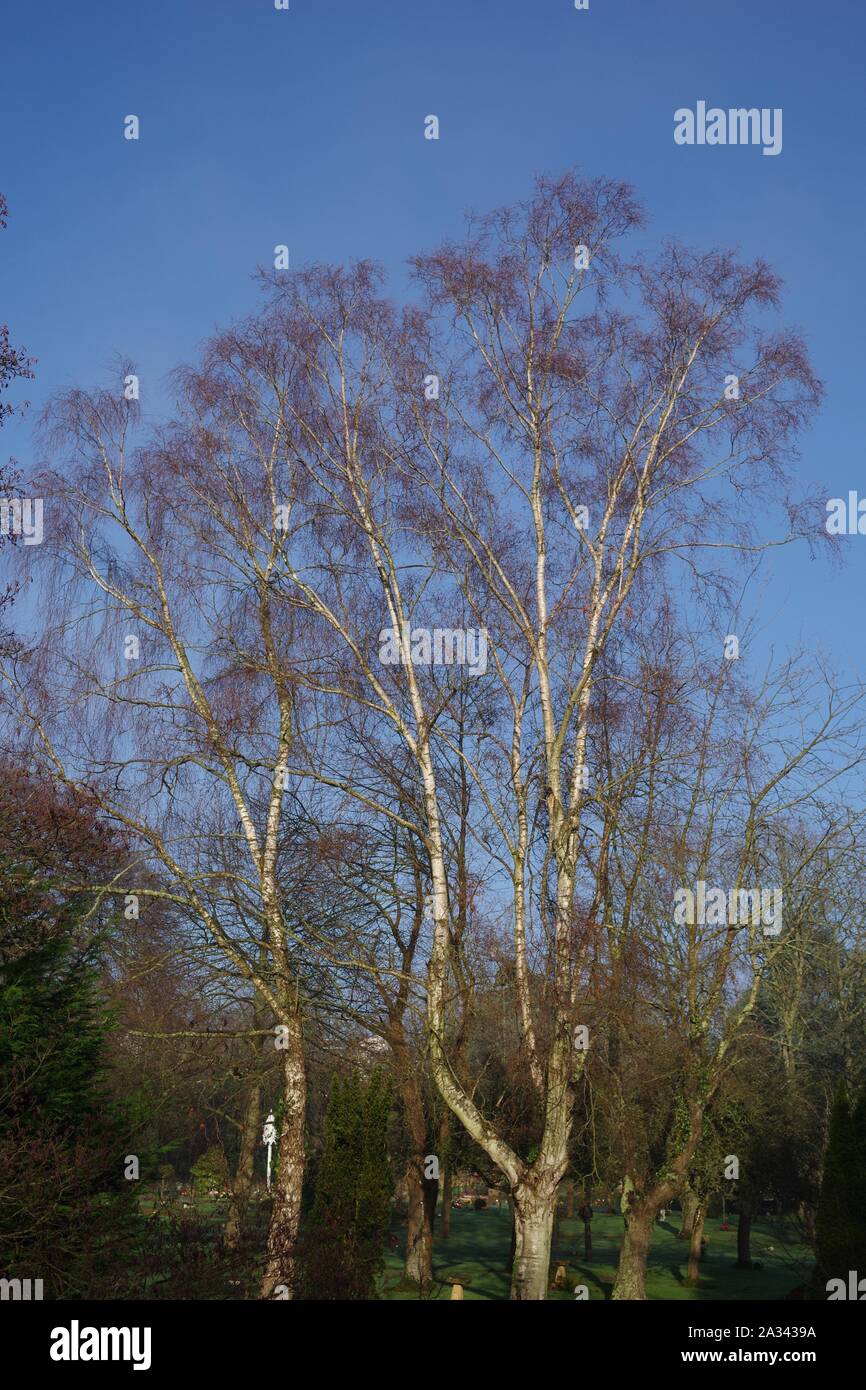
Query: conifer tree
x,y
66,1209
840,1224
346,1235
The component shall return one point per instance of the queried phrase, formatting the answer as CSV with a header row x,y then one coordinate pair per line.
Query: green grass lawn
x,y
479,1242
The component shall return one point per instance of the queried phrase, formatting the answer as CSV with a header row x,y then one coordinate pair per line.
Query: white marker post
x,y
269,1137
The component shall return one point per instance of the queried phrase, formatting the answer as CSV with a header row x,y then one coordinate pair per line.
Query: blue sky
x,y
261,127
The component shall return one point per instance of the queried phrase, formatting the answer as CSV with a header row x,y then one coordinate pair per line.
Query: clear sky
x,y
305,127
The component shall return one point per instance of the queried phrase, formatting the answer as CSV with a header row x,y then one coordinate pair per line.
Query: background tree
x,y
15,365
343,1246
840,1224
67,1213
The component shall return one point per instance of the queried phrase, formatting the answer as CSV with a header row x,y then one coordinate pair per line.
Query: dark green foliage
x,y
343,1243
210,1171
67,1216
52,1034
183,1255
840,1224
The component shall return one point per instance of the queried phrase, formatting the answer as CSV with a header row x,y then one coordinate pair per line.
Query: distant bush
x,y
210,1171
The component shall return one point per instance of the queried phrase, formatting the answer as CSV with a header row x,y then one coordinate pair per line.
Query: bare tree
x,y
160,683
15,365
714,791
525,456
518,462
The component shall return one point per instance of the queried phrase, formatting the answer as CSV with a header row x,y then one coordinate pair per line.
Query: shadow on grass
x,y
480,1241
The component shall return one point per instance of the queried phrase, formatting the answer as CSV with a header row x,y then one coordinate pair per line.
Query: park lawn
x,y
479,1242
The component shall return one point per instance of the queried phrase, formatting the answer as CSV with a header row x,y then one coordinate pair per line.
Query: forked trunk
x,y
280,1278
534,1211
631,1271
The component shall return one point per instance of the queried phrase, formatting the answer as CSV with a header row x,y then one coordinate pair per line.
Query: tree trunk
x,y
693,1275
243,1180
446,1180
422,1192
445,1218
744,1237
689,1204
280,1278
631,1272
534,1211
419,1223
586,1218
